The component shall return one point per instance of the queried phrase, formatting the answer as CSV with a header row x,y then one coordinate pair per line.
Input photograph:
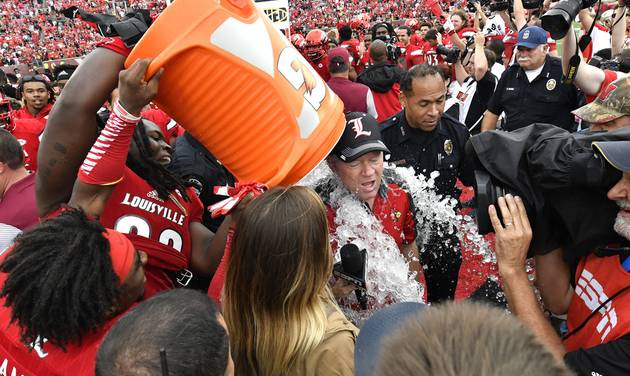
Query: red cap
x,y
341,52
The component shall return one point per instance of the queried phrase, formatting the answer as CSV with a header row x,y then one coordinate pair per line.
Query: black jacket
x,y
201,170
381,77
562,180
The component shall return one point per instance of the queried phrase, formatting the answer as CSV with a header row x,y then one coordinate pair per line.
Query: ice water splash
x,y
388,278
436,214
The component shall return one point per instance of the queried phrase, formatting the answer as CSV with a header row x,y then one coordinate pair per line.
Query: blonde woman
x,y
280,313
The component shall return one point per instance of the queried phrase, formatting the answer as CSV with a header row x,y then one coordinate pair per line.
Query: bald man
x,y
383,78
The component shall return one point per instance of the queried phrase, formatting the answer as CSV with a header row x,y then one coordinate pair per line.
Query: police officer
x,y
531,90
423,137
201,170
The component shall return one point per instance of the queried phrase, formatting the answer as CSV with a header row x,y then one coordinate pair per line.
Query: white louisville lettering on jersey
x,y
4,369
38,347
249,42
153,207
593,295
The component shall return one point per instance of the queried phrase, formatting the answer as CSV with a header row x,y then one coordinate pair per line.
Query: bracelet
x,y
120,111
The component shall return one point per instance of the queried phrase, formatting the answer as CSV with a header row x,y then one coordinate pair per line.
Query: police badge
x,y
448,147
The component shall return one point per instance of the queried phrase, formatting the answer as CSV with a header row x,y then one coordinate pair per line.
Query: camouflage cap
x,y
613,102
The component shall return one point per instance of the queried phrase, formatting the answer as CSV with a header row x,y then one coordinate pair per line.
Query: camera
x,y
393,52
488,190
610,64
450,54
471,5
558,19
501,5
5,113
561,180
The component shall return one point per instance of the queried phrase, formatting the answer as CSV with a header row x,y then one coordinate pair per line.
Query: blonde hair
x,y
276,293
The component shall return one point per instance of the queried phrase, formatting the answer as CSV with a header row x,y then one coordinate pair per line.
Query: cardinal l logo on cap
x,y
357,127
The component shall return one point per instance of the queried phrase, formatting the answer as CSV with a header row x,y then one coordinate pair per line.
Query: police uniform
x,y
544,100
441,150
201,170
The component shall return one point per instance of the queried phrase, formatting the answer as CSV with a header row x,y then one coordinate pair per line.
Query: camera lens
x,y
557,20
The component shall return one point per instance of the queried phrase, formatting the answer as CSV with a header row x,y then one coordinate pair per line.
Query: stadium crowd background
x,y
32,33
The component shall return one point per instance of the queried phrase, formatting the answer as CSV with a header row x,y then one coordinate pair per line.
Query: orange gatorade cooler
x,y
241,89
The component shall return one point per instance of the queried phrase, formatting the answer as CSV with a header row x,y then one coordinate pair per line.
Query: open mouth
x,y
368,186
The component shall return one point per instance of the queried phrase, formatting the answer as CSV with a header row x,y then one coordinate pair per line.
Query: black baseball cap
x,y
362,135
617,153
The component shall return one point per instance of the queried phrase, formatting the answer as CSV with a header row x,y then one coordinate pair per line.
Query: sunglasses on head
x,y
34,78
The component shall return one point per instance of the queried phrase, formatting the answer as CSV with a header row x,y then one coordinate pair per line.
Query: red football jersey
x,y
27,132
159,227
597,280
321,67
431,57
23,113
414,55
18,359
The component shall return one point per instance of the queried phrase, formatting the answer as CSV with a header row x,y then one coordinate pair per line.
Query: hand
x,y
480,39
134,91
342,288
512,240
478,7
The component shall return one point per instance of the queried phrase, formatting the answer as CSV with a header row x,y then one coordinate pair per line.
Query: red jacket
x,y
597,280
28,132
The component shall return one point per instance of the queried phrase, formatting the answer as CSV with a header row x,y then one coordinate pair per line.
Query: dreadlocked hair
x,y
60,282
161,179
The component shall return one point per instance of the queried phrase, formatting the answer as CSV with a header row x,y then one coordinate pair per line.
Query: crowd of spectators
x,y
32,35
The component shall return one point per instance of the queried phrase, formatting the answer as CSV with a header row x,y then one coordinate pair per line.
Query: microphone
x,y
352,268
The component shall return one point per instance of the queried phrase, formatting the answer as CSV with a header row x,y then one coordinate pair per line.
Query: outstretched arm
x,y
71,128
588,78
104,165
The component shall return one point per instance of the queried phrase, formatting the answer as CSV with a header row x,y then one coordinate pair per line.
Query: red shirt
x,y
18,207
321,67
41,116
393,211
28,132
387,104
17,359
366,61
597,279
160,228
415,55
609,76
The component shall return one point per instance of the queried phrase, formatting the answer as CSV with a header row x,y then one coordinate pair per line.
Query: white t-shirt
x,y
532,74
600,37
497,69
